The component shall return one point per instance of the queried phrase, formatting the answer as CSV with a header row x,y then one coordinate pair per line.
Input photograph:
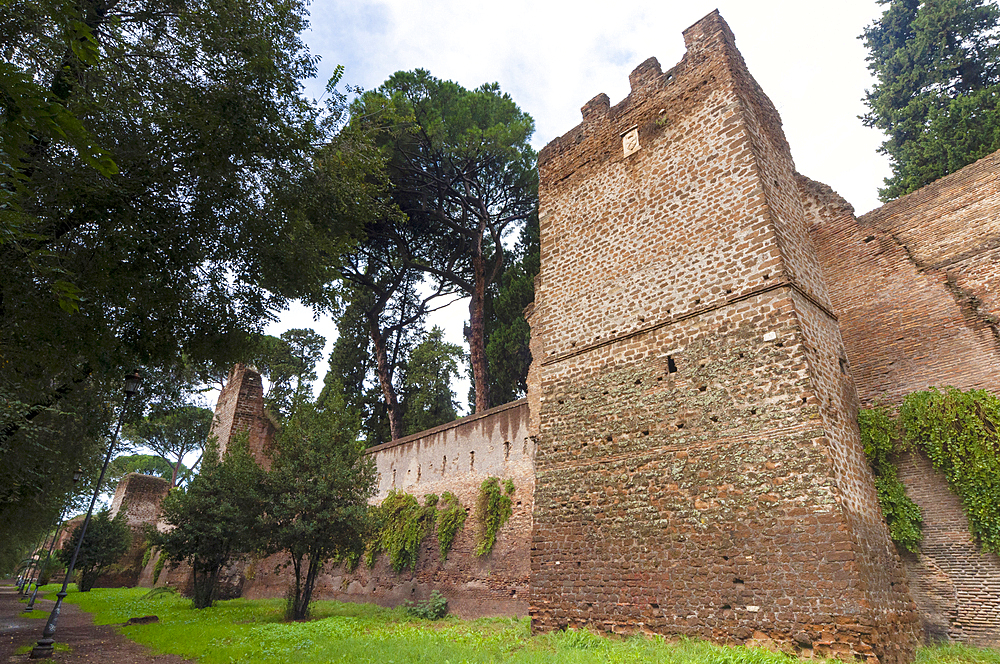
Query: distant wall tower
x,y
699,468
241,409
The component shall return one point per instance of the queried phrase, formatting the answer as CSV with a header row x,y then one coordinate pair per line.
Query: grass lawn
x,y
253,632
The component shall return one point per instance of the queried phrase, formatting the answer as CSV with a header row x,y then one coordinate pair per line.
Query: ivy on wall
x,y
960,433
450,520
400,523
493,508
403,525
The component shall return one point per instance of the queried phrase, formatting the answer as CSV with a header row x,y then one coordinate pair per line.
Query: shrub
x,y
433,608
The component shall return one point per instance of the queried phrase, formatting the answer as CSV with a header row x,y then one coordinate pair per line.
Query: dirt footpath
x,y
88,642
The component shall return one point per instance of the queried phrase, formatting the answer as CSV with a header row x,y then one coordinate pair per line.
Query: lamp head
x,y
132,382
77,475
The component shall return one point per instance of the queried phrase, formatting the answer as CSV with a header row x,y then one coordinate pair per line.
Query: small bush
x,y
162,591
433,608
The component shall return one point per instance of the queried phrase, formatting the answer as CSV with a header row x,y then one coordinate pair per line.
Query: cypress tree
x,y
937,96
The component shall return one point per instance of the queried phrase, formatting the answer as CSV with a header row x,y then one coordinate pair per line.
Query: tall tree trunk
x,y
477,334
385,380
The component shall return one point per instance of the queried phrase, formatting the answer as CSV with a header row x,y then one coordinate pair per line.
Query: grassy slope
x,y
252,631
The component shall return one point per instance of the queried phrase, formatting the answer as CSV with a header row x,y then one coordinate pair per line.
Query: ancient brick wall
x,y
697,468
454,457
915,283
240,409
140,496
955,585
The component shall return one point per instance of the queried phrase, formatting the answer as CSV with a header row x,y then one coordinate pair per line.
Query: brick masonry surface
x,y
698,465
240,409
916,282
915,286
955,585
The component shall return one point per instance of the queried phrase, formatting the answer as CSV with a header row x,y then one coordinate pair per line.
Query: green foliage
x,y
493,509
155,162
351,368
144,464
879,433
960,432
450,519
104,543
289,364
462,170
160,592
434,607
507,331
158,567
319,487
403,526
214,518
146,555
427,397
937,95
251,632
172,433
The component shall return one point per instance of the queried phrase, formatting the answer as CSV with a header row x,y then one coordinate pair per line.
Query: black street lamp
x,y
44,647
77,475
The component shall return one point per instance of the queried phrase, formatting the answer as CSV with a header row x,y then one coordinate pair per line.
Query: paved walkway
x,y
89,643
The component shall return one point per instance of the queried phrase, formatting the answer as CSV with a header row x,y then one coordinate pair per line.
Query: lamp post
x,y
44,647
25,584
77,475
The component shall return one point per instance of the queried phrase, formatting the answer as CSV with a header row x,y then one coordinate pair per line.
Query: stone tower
x,y
699,468
240,409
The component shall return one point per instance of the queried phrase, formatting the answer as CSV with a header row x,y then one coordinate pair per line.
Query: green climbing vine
x,y
493,508
158,567
960,433
450,520
402,526
879,433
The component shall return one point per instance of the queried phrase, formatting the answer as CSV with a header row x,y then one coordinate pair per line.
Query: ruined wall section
x,y
686,478
240,409
454,457
140,496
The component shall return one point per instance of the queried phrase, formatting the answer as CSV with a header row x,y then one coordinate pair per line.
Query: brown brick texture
x,y
240,409
698,465
956,586
916,283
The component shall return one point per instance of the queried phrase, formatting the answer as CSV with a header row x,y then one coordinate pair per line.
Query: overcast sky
x,y
552,57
